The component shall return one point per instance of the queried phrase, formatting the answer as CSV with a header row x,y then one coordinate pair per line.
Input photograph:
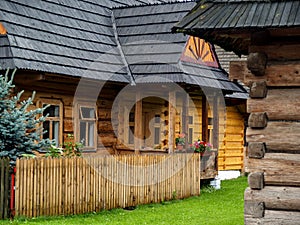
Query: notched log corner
x,y
254,209
257,62
256,180
258,89
256,150
258,120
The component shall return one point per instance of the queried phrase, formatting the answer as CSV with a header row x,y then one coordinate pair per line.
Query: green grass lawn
x,y
216,207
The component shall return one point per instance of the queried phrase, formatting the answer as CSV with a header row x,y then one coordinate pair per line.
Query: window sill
x,y
89,150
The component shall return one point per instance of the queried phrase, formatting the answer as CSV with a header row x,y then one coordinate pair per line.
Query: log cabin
x,y
118,79
268,32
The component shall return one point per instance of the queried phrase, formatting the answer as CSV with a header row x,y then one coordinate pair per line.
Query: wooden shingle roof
x,y
153,52
210,18
104,40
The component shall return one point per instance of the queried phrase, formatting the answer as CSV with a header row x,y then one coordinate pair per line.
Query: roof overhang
x,y
235,25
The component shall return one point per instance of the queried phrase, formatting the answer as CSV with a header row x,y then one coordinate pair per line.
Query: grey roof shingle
x,y
210,17
242,14
156,58
77,38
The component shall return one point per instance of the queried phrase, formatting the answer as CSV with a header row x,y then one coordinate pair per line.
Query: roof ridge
x,y
154,3
119,46
243,1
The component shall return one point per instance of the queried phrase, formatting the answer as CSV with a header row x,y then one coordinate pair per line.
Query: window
x,y
157,129
190,136
53,124
86,126
191,120
210,130
131,135
131,128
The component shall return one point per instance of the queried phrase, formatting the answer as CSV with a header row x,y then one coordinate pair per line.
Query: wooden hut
x,y
116,77
269,33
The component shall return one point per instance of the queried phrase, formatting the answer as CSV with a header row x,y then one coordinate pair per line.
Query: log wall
x,y
273,135
231,127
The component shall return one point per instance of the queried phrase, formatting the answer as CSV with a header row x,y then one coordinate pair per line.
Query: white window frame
x,y
79,118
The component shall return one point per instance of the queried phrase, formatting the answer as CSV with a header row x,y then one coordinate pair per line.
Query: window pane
x,y
87,113
46,126
55,132
131,117
157,119
191,135
131,135
191,120
91,134
156,135
52,110
83,133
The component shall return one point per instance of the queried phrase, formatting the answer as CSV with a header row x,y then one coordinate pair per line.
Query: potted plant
x,y
180,141
201,146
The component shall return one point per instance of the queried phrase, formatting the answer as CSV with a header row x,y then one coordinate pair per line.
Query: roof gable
x,y
199,51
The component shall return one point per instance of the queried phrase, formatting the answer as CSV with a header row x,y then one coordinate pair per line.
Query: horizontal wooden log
x,y
279,104
278,136
105,126
272,217
237,70
106,139
68,125
278,168
278,51
280,198
28,78
276,75
68,112
104,113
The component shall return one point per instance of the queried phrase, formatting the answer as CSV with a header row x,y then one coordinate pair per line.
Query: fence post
x,y
4,187
12,193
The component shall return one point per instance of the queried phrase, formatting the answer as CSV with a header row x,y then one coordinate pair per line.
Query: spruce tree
x,y
20,128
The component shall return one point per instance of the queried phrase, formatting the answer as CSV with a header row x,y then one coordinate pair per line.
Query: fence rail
x,y
64,186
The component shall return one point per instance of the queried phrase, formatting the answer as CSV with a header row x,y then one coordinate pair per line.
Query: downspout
x,y
132,80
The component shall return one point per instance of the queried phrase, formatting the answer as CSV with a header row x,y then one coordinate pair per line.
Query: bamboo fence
x,y
62,186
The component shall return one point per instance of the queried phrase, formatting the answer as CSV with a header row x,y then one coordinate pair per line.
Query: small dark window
x,y
52,111
156,135
87,113
131,117
191,131
191,120
157,119
131,135
210,121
